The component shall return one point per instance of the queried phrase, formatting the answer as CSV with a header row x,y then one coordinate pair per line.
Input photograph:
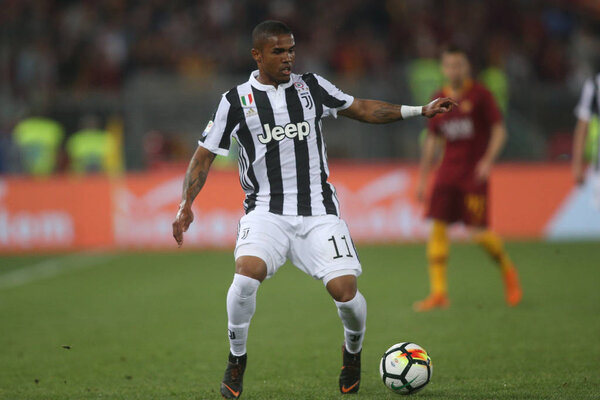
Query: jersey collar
x,y
254,82
467,85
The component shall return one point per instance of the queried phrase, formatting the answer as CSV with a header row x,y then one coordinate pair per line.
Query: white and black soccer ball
x,y
405,368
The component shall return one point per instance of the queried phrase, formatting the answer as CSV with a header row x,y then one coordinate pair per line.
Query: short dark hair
x,y
455,49
267,29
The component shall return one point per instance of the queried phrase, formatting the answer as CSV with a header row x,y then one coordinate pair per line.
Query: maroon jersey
x,y
466,130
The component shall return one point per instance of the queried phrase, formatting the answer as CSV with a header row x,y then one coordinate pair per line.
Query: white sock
x,y
354,317
241,303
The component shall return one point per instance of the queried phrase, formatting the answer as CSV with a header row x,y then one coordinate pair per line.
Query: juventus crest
x,y
305,95
307,99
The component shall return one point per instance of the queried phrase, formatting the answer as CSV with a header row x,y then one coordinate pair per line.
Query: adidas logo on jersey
x,y
278,133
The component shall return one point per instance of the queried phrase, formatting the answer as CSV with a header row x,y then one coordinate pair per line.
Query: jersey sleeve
x,y
584,108
334,99
216,137
490,108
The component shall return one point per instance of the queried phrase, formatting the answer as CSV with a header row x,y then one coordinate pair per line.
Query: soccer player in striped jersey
x,y
292,211
472,136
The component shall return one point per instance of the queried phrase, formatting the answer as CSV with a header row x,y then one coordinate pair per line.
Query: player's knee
x,y
252,267
244,286
490,241
345,296
343,288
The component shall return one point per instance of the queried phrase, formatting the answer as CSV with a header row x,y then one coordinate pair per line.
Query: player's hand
x,y
182,222
438,106
482,170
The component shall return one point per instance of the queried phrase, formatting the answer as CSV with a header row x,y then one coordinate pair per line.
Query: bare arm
x,y
495,146
380,112
427,161
195,178
581,132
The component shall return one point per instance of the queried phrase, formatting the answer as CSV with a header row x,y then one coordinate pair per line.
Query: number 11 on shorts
x,y
337,251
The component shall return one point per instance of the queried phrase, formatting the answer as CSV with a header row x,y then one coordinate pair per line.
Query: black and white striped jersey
x,y
282,158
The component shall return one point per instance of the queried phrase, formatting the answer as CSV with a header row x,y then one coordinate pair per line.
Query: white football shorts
x,y
320,246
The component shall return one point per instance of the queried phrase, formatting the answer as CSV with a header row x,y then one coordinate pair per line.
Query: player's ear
x,y
257,55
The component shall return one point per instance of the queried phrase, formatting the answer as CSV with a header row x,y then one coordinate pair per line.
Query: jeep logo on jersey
x,y
278,133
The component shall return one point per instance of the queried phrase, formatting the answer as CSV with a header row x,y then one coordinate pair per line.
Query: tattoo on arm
x,y
195,178
386,112
373,111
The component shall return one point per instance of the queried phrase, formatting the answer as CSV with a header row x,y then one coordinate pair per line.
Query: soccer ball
x,y
405,368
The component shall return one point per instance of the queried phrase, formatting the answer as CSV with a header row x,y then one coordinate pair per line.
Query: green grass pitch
x,y
153,326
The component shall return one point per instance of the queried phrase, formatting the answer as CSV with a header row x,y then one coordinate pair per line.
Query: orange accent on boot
x,y
348,389
233,392
512,287
432,302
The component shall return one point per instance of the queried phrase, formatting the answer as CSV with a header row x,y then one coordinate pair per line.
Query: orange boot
x,y
433,301
512,287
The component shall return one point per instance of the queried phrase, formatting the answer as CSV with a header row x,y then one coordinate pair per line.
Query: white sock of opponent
x,y
241,304
354,317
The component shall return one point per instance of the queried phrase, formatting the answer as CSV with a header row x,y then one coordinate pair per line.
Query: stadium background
x,y
97,302
148,75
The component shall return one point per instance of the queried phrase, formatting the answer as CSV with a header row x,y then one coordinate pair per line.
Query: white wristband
x,y
410,111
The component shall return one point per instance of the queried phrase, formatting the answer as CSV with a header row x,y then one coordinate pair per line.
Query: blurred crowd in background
x,y
76,76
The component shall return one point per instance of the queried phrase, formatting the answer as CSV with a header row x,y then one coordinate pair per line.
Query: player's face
x,y
455,68
276,58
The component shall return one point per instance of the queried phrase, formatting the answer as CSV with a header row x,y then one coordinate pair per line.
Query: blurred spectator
x,y
89,149
96,44
495,79
53,50
38,140
9,157
494,75
162,148
156,149
424,74
115,162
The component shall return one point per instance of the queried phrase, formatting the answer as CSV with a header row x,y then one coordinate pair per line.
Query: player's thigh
x,y
263,235
445,203
475,205
325,250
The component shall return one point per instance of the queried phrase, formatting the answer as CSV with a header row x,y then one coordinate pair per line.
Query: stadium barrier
x,y
377,200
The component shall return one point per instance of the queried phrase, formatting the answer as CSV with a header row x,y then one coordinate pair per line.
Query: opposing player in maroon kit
x,y
472,136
